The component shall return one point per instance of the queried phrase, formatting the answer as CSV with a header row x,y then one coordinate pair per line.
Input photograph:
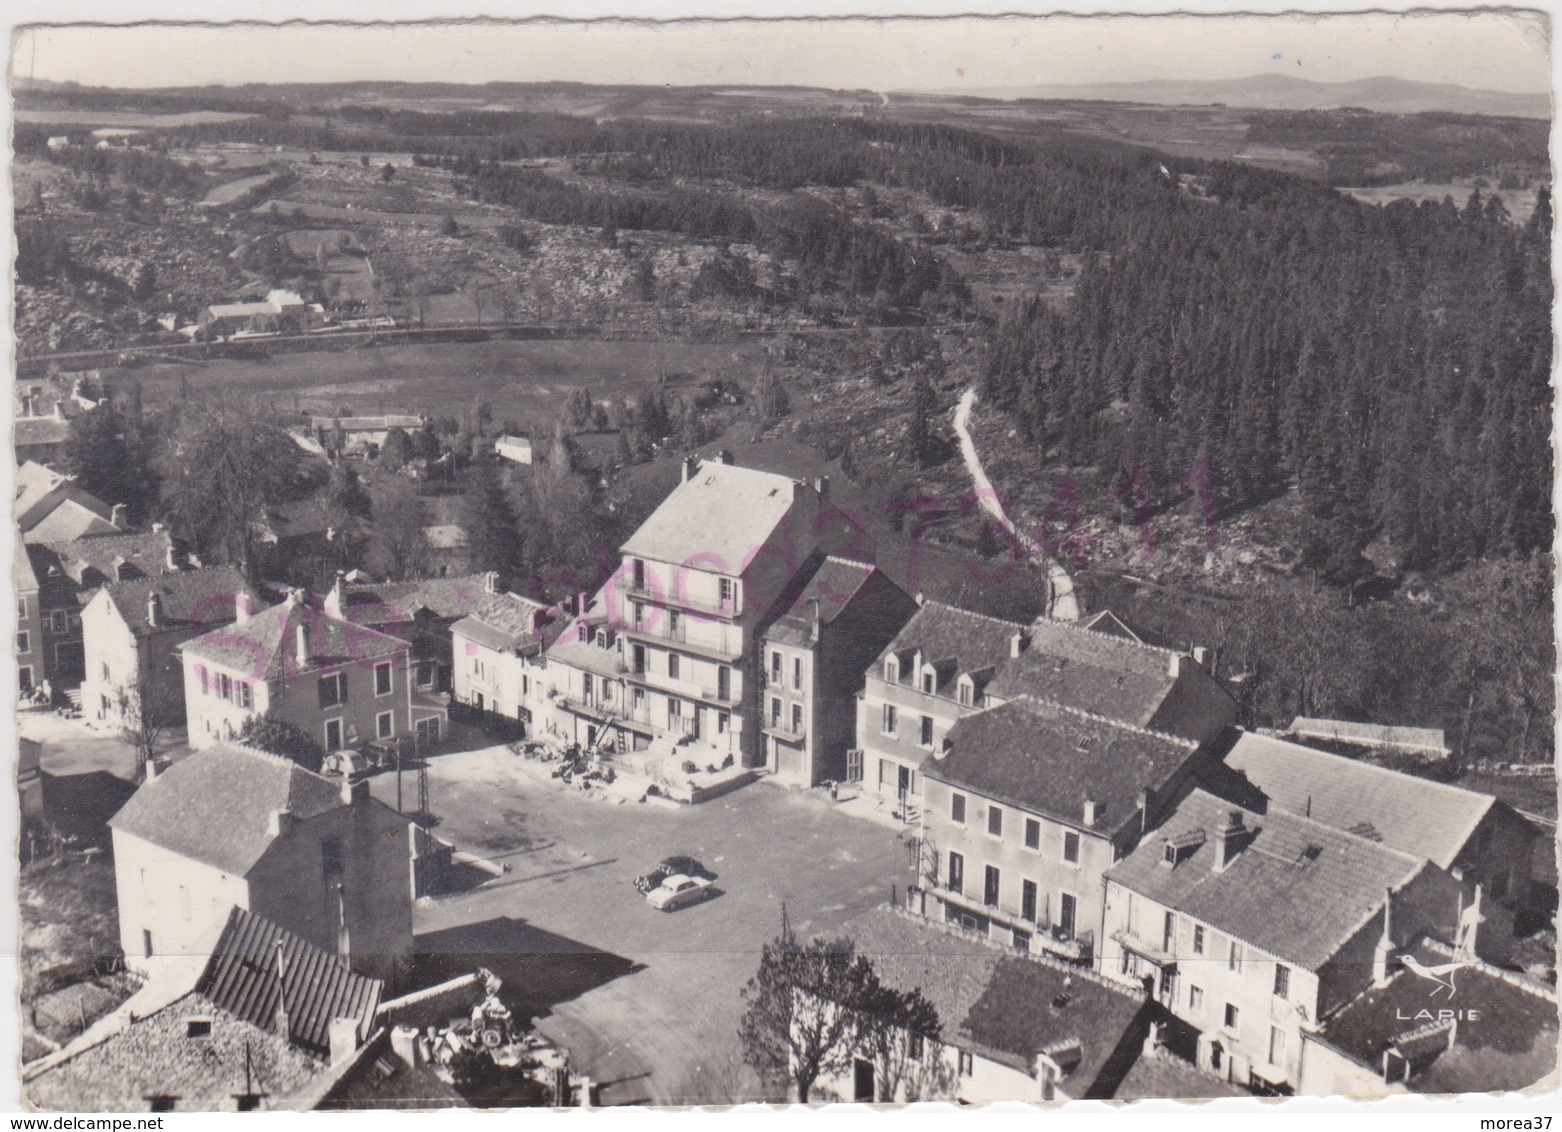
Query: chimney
x,y
171,559
1092,812
154,609
1174,666
1383,953
404,1043
59,410
241,609
302,651
580,604
1228,840
118,566
279,823
355,793
921,598
822,488
283,1026
1017,643
491,582
539,619
116,517
690,466
336,597
1201,656
1146,800
725,457
157,528
343,1033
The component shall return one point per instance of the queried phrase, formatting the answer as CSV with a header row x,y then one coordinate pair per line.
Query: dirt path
x,y
1061,603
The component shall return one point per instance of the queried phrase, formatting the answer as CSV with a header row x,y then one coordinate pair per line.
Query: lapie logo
x,y
1442,974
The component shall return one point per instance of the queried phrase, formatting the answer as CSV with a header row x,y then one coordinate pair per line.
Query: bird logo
x,y
1464,954
1442,973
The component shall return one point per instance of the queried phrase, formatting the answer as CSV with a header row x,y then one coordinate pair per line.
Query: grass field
x,y
525,381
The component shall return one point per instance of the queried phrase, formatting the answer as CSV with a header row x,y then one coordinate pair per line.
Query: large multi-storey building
x,y
669,649
1027,806
1250,927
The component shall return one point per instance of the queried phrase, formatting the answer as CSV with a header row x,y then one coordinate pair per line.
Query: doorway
x,y
862,1080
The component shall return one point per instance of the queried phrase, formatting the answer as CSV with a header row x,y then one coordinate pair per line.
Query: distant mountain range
x,y
1286,92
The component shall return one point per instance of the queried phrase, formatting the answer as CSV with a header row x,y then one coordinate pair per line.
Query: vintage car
x,y
678,891
672,866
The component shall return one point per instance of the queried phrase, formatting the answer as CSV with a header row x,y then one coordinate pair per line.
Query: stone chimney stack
x,y
336,597
302,651
1228,840
117,517
1383,952
343,1034
1092,812
241,609
154,609
1017,643
690,466
822,488
171,562
491,582
1174,665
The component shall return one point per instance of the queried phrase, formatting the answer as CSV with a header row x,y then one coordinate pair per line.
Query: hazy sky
x,y
1471,48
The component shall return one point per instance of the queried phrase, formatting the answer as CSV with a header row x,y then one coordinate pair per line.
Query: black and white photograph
x,y
770,560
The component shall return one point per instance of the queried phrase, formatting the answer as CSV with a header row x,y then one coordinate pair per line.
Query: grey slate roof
x,y
155,1056
1297,889
196,599
503,622
950,970
388,603
1031,1007
1430,819
243,978
834,586
265,646
215,806
722,512
972,641
89,562
1049,759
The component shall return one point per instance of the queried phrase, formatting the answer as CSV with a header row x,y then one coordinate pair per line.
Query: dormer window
x,y
601,638
927,682
892,670
967,691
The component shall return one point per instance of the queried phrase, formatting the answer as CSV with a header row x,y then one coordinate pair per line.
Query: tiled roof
x,y
722,513
1517,1021
90,562
950,970
502,621
1297,888
265,646
1430,819
75,515
215,806
245,978
1099,672
1031,1007
1165,1076
33,484
197,599
32,431
834,586
973,641
24,575
1049,759
387,603
156,1056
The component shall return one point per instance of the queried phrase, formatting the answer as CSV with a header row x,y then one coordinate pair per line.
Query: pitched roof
x,y
33,431
33,483
215,806
504,622
1160,1075
722,513
1030,1007
49,506
1297,889
972,641
196,600
950,970
265,647
1517,1020
91,562
1048,759
389,603
243,978
1430,819
834,585
24,575
155,1056
1097,671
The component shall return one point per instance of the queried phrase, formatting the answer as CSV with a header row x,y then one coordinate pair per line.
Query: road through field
x,y
1062,604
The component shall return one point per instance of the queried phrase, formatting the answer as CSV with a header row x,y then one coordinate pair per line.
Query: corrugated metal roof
x,y
245,978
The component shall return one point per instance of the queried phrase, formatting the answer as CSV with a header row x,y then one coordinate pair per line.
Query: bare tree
x,y
145,712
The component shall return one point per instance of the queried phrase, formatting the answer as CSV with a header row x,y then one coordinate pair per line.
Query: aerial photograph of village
x,y
582,566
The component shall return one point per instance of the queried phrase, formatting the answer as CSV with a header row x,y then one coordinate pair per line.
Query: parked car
x,y
677,891
672,866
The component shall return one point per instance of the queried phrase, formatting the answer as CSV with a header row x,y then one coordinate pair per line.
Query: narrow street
x,y
1061,603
